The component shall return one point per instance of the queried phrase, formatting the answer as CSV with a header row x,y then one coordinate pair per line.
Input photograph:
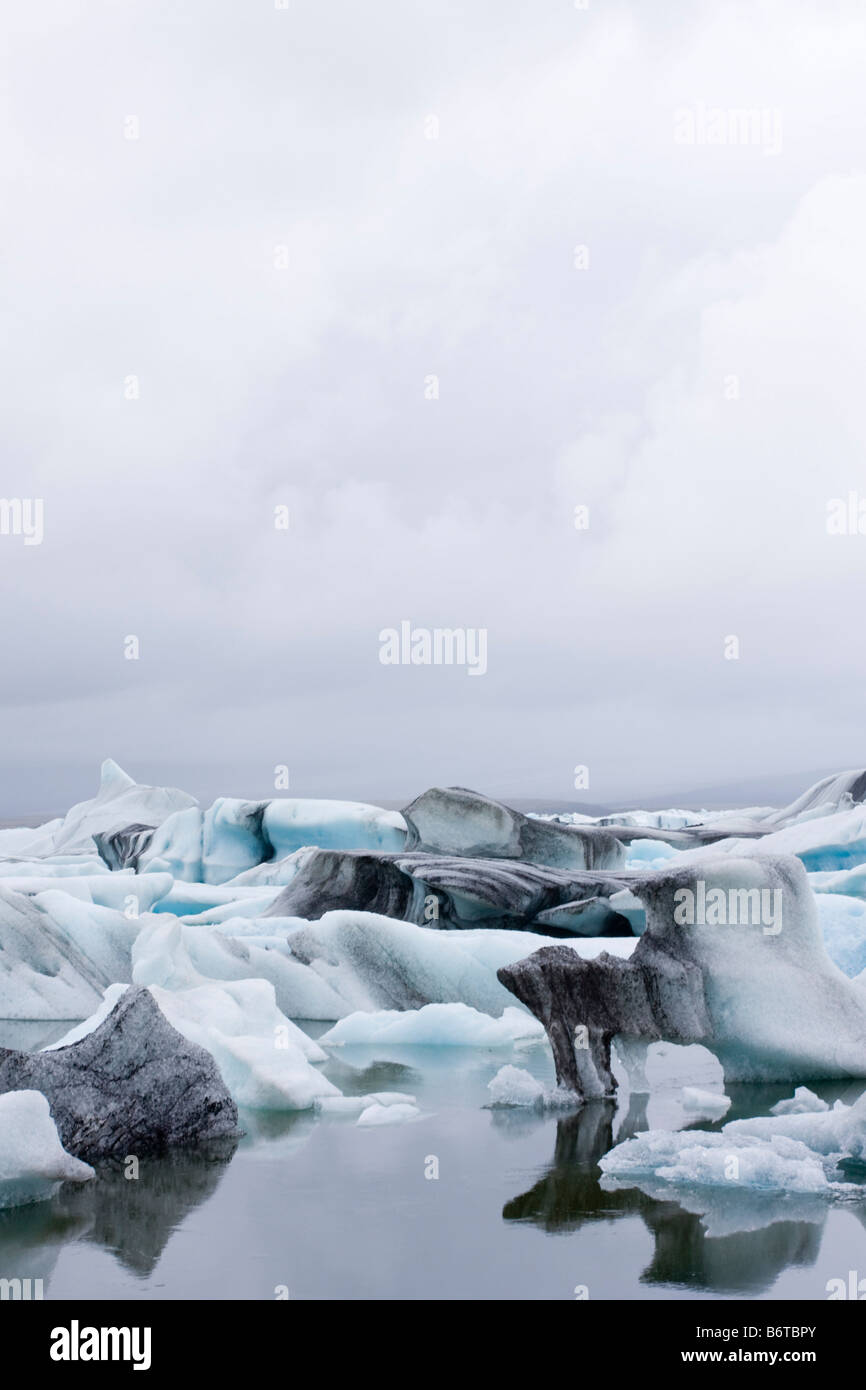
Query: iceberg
x,y
758,991
838,792
177,955
276,873
293,823
234,838
175,847
57,954
264,1058
119,802
121,891
59,866
455,822
848,883
122,849
435,1025
33,1162
342,964
843,926
351,961
199,900
649,854
131,1086
449,891
823,843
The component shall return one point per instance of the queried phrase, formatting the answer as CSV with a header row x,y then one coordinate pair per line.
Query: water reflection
x,y
569,1195
379,1075
731,1242
132,1218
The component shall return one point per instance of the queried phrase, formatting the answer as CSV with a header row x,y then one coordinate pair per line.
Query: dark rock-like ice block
x,y
134,1086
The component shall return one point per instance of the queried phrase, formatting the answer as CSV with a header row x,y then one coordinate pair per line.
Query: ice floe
x,y
33,1162
803,1102
797,1151
709,1103
514,1088
377,1114
435,1025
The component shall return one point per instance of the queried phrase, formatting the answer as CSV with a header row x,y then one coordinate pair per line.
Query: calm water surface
x,y
517,1212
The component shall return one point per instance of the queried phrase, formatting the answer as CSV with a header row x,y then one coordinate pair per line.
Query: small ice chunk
x,y
794,1152
803,1102
355,1105
388,1114
709,1103
512,1086
696,1159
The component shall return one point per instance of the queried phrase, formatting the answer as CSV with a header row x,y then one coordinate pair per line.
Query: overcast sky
x,y
284,257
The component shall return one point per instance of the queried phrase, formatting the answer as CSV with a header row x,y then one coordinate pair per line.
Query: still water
x,y
324,1209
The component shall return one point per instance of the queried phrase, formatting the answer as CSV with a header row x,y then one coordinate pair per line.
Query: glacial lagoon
x,y
319,1208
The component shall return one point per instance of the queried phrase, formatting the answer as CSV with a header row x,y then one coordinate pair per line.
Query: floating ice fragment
x,y
33,1162
512,1086
436,1025
709,1103
388,1114
803,1102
